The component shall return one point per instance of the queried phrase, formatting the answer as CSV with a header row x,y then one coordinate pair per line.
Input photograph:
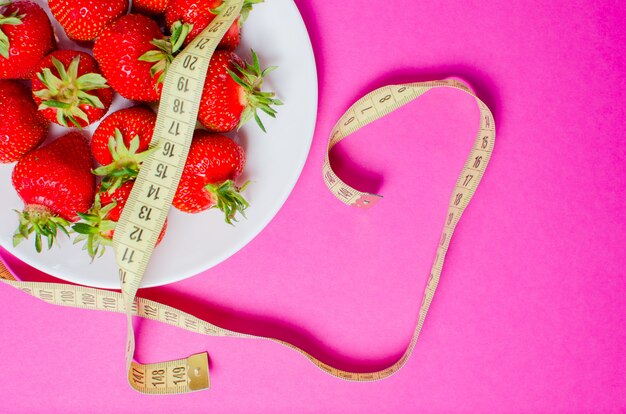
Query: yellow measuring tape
x,y
144,215
152,194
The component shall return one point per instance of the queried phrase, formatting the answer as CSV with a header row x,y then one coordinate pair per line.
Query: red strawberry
x,y
213,164
70,90
150,7
200,13
26,36
98,225
22,126
138,72
232,93
120,144
55,183
85,19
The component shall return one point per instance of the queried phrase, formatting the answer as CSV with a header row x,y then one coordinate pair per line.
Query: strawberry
x,y
97,226
139,71
232,93
26,36
22,126
213,164
121,143
70,90
150,7
200,13
55,183
85,19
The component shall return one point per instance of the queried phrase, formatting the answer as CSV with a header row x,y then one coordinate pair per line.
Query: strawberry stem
x,y
126,162
40,220
227,197
67,91
250,78
167,48
12,19
95,229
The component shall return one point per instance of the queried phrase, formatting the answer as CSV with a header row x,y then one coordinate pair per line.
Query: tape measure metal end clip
x,y
367,201
198,371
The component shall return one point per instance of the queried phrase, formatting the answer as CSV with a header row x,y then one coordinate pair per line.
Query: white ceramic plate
x,y
194,243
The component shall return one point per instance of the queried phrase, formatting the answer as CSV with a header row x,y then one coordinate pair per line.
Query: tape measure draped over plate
x,y
149,203
144,215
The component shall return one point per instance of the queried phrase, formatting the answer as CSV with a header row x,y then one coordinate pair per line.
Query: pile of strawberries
x,y
78,185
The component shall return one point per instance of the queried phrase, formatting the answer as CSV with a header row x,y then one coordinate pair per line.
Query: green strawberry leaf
x,y
67,91
126,162
165,50
227,198
13,20
41,221
94,228
250,77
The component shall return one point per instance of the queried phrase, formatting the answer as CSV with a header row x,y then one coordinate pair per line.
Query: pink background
x,y
531,309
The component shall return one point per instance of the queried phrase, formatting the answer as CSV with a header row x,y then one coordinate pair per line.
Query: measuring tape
x,y
148,205
144,215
